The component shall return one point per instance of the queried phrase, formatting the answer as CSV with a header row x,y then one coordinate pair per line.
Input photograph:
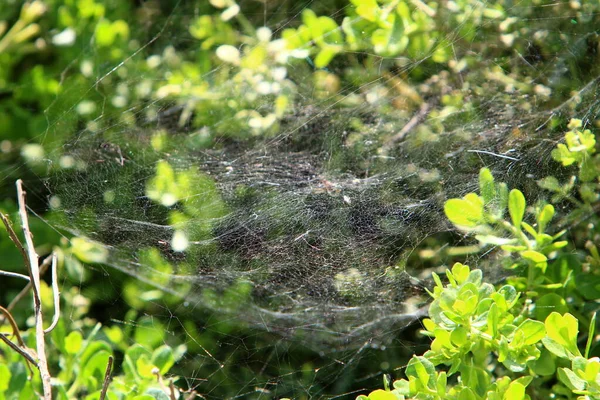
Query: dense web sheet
x,y
318,237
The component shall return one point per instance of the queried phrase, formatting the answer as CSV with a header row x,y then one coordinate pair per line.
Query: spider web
x,y
305,271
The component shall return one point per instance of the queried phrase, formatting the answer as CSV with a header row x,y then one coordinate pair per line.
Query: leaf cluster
x,y
505,342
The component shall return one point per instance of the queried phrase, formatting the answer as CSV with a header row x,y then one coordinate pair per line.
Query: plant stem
x,y
34,272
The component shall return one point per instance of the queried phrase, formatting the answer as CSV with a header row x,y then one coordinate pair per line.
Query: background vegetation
x,y
141,132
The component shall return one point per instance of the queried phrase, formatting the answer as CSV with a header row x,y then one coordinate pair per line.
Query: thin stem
x,y
56,296
13,236
106,378
172,390
14,326
34,272
19,350
8,316
43,267
15,275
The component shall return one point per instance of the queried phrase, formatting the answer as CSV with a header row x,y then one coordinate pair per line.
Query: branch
x,y
43,267
22,346
106,378
15,275
414,121
13,325
19,350
34,272
172,394
13,236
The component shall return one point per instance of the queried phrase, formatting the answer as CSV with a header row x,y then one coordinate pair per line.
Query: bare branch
x,y
56,296
18,349
34,272
17,334
412,123
14,326
13,236
43,268
15,275
172,394
106,378
32,256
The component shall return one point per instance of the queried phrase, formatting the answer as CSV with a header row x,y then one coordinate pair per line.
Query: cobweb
x,y
311,244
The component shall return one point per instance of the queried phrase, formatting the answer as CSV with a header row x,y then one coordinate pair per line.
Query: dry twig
x,y
31,259
106,378
411,124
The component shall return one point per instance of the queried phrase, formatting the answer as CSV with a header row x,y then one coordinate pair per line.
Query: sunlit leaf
x,y
516,207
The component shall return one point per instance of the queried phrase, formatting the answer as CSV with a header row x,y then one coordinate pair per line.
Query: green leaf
x,y
104,35
588,169
529,229
550,183
467,394
544,217
442,383
495,240
492,319
460,272
163,359
516,207
502,198
422,369
132,355
459,336
533,331
512,249
590,339
144,367
382,395
107,32
325,56
466,212
515,391
95,347
592,369
73,342
159,394
475,277
402,386
545,365
570,379
562,330
367,9
486,186
562,154
149,332
162,188
94,369
509,293
5,376
536,259
475,378
493,13
88,250
202,27
555,347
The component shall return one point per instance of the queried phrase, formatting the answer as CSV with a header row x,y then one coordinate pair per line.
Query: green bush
x,y
520,340
375,89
